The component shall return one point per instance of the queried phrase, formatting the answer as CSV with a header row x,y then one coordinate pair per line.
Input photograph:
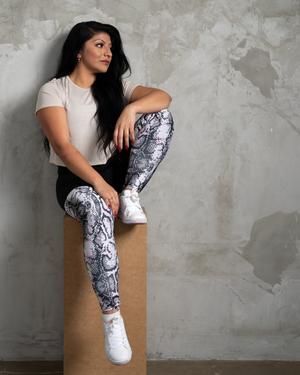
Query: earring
x,y
79,59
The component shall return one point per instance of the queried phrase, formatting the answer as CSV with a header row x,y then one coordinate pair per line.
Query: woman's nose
x,y
108,52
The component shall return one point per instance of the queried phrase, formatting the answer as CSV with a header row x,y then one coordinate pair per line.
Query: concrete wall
x,y
224,206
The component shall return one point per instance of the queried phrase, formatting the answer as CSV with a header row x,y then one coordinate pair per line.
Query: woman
x,y
88,115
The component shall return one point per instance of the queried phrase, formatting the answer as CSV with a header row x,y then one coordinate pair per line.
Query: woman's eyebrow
x,y
101,41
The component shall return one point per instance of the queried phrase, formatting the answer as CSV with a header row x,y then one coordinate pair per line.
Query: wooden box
x,y
84,351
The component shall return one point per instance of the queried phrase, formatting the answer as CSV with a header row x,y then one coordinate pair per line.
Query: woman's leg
x,y
153,134
100,254
101,260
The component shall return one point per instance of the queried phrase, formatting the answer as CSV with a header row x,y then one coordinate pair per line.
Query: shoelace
x,y
134,199
116,336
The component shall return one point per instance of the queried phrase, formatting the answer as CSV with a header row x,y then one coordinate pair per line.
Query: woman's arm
x,y
142,100
53,121
148,100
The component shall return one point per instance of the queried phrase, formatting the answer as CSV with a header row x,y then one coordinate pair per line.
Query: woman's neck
x,y
82,79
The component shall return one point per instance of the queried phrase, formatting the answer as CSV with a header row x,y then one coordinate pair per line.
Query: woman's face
x,y
96,54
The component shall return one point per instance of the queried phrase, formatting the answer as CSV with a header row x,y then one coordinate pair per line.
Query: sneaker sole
x,y
119,363
134,222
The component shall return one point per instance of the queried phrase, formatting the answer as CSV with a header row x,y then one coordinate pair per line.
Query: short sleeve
x,y
128,90
49,96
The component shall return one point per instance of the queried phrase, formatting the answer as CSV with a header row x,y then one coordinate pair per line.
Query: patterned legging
x,y
153,134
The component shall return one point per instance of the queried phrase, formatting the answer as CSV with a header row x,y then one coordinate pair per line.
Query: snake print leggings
x,y
153,133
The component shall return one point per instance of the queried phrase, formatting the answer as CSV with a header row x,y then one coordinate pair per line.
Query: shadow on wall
x,y
272,245
31,258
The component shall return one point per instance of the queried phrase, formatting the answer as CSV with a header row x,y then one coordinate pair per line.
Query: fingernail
x,y
126,147
120,149
132,140
108,206
116,146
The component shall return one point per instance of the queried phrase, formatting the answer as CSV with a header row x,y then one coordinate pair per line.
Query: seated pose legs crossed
x,y
88,114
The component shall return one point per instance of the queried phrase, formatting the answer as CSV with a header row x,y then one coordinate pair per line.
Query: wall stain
x,y
242,43
256,67
272,245
224,198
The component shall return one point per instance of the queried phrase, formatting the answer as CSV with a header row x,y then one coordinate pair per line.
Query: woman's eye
x,y
100,45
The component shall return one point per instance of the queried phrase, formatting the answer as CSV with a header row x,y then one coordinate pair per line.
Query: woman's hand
x,y
109,195
125,128
143,100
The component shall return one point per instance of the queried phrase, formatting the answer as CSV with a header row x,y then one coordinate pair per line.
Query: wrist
x,y
131,108
97,181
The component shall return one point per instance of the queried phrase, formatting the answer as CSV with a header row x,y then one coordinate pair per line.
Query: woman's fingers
x,y
113,204
110,197
132,134
124,129
118,137
126,139
121,137
115,137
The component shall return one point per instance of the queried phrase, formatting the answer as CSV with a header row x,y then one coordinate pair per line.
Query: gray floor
x,y
223,368
169,368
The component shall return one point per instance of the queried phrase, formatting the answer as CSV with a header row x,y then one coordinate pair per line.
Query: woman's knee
x,y
168,118
166,122
166,114
83,202
163,117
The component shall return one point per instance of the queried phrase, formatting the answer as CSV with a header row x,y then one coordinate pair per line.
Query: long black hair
x,y
107,88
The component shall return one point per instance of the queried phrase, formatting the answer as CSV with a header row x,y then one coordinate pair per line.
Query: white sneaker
x,y
117,348
130,209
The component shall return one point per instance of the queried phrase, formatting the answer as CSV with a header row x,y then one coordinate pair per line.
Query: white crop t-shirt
x,y
80,107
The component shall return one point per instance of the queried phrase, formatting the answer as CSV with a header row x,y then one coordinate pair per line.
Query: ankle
x,y
110,311
107,318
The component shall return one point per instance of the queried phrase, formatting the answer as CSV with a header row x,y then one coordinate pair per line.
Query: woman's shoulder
x,y
55,84
129,85
128,88
52,93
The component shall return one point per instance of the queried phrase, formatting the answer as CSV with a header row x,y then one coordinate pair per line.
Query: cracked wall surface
x,y
223,207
